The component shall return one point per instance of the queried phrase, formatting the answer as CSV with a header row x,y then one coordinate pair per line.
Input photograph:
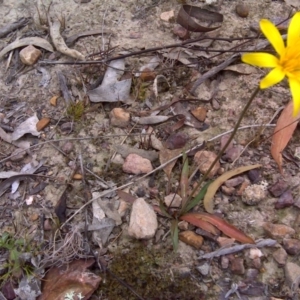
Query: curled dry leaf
x,y
28,126
112,89
73,38
186,13
212,189
221,224
283,132
165,155
59,42
150,120
74,277
36,41
150,66
4,185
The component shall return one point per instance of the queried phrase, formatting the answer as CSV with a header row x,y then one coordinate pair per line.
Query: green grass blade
x,y
174,234
195,201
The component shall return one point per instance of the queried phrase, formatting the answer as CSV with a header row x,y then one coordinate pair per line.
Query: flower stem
x,y
204,177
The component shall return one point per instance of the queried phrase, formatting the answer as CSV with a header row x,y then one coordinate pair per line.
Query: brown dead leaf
x,y
165,155
213,187
191,238
186,13
199,113
176,140
126,196
73,277
283,132
222,225
195,220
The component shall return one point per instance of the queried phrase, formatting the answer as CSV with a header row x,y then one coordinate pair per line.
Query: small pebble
x,y
292,273
173,200
280,256
224,262
242,10
191,238
292,246
237,266
204,159
277,231
181,32
254,175
204,269
66,127
234,181
18,155
67,147
285,200
278,188
135,164
30,55
119,117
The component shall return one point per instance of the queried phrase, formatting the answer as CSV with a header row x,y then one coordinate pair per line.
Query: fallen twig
x,y
63,86
225,64
237,248
5,30
73,38
137,52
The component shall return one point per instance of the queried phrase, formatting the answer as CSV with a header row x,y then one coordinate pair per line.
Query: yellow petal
x,y
264,60
294,30
295,90
275,76
273,35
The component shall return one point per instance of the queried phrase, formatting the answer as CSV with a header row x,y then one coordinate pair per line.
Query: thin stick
x,y
226,63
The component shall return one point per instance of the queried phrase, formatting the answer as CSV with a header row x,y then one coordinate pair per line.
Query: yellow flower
x,y
287,63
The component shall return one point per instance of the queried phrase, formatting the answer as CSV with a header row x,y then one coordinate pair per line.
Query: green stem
x,y
237,125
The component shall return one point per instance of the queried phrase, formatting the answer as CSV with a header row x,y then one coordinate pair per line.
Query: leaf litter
x,y
94,218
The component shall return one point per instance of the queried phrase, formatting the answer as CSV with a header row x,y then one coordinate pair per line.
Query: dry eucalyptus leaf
x,y
186,13
28,126
111,89
150,120
283,132
36,41
72,278
213,187
221,224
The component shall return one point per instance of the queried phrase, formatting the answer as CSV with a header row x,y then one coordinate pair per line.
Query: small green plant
x,y
285,64
75,110
15,265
